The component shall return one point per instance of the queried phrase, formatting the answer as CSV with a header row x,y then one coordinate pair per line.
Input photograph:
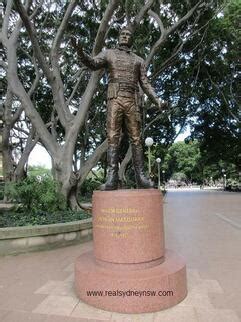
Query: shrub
x,y
1,190
89,185
36,194
233,185
16,219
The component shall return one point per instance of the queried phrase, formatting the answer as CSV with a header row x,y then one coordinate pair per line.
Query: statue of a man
x,y
125,71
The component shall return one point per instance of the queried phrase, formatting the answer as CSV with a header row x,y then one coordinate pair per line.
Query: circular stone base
x,y
131,291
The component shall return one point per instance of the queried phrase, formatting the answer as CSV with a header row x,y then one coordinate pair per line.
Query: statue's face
x,y
125,38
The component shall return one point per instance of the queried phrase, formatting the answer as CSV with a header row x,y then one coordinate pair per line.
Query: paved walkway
x,y
202,226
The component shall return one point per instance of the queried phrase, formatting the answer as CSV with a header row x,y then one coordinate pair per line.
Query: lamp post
x,y
158,161
224,179
148,142
163,177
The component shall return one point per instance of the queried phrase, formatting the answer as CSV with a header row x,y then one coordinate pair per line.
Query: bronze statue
x,y
125,71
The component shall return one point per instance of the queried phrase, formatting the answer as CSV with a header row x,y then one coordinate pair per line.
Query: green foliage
x,y
179,176
233,185
16,219
38,171
1,190
133,6
36,194
184,158
217,120
89,185
186,162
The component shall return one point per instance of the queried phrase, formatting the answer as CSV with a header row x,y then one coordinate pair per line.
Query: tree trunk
x,y
73,199
8,164
124,165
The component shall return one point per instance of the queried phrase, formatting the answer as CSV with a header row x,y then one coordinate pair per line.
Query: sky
x,y
39,156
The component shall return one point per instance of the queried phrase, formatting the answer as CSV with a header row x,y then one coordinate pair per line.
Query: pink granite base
x,y
129,270
128,225
133,290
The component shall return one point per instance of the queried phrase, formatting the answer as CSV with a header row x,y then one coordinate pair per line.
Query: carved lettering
x,y
119,210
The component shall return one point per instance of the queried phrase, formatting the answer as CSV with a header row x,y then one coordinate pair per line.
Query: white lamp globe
x,y
158,160
149,141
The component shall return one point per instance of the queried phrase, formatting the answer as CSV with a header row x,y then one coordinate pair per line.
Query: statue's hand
x,y
163,105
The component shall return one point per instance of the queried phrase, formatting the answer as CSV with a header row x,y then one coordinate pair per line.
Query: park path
x,y
203,226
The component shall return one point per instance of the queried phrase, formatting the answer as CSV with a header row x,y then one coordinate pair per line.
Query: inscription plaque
x,y
129,234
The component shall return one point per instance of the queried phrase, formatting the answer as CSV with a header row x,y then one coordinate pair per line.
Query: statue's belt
x,y
124,86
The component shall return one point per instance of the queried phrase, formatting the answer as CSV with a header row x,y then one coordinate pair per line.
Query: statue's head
x,y
125,37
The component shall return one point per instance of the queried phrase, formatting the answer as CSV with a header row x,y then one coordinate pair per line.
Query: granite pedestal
x,y
129,270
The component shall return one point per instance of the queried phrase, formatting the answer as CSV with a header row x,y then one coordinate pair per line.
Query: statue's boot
x,y
137,157
112,171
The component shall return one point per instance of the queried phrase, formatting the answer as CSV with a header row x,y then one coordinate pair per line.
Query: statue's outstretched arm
x,y
94,63
148,90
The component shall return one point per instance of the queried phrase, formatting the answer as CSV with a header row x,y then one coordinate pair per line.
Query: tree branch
x,y
16,115
164,36
141,14
36,80
6,20
57,85
158,117
34,13
100,37
168,61
3,65
61,30
91,162
128,17
184,18
80,117
7,107
83,69
53,77
30,144
44,21
20,130
17,88
224,98
33,36
124,164
155,16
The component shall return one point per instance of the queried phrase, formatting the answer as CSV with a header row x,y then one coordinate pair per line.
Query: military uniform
x,y
125,72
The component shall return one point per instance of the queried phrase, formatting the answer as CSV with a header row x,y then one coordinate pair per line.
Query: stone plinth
x,y
128,226
129,270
